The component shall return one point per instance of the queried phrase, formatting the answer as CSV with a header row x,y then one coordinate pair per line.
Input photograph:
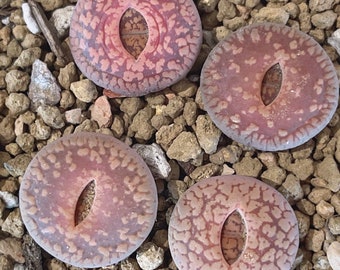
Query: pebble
x,y
291,189
177,188
328,170
131,106
205,171
226,10
6,263
117,126
155,158
190,112
13,224
149,256
73,116
50,5
26,142
31,40
318,194
67,99
27,57
207,133
303,223
5,61
17,103
273,176
129,264
314,240
10,200
320,5
51,116
335,201
17,81
43,89
11,246
61,19
7,134
4,157
229,154
334,225
17,165
29,19
39,130
184,88
302,168
333,255
160,238
184,147
67,75
101,112
334,40
274,15
14,49
324,20
84,90
325,209
141,127
248,166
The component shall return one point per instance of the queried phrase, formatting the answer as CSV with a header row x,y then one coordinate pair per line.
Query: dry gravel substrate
x,y
42,99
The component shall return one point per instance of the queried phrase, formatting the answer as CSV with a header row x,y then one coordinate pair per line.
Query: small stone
x,y
302,168
51,116
166,134
54,264
303,223
333,255
26,142
248,166
61,19
155,158
40,130
7,134
73,116
226,170
185,147
149,256
17,165
87,125
68,75
234,23
229,154
13,224
328,170
117,126
14,49
129,264
10,200
292,9
318,194
325,209
84,90
335,201
205,171
274,15
320,5
4,157
334,41
17,103
324,20
19,32
17,81
11,246
13,149
273,176
67,99
207,133
334,225
226,10
5,61
31,40
27,57
306,207
131,106
50,5
177,188
190,112
314,240
184,88
269,159
291,189
101,112
141,124
160,238
175,107
6,263
29,19
43,89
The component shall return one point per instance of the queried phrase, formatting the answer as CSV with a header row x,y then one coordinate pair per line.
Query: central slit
x,y
84,203
134,32
233,237
271,84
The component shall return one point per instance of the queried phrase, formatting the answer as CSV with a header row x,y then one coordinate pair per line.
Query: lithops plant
x,y
197,235
269,86
135,47
123,207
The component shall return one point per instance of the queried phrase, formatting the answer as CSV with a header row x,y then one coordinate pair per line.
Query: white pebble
x,y
334,40
61,19
333,255
10,200
29,19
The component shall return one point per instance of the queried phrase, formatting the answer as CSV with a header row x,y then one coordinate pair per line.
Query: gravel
x,y
42,100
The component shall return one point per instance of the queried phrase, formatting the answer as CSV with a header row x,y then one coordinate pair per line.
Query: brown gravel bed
x,y
174,119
